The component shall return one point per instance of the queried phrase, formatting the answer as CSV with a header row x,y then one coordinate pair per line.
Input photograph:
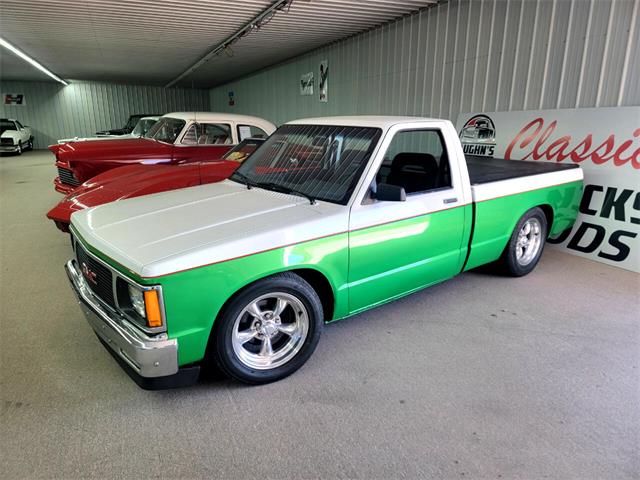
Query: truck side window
x,y
417,161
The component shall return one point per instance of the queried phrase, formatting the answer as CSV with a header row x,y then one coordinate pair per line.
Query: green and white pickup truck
x,y
329,217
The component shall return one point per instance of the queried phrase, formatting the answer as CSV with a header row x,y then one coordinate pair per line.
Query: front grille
x,y
98,277
66,176
6,141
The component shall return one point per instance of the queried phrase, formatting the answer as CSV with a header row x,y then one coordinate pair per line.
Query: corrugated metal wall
x,y
54,111
489,55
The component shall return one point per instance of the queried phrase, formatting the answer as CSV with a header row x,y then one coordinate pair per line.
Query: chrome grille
x,y
99,277
66,176
6,141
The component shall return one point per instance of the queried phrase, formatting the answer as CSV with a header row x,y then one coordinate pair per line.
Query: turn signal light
x,y
152,306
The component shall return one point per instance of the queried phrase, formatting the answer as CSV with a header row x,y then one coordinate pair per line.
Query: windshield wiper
x,y
242,176
281,188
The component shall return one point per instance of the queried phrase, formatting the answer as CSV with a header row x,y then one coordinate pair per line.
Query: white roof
x,y
380,121
220,117
157,117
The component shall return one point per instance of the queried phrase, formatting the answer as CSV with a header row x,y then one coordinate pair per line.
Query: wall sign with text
x,y
605,142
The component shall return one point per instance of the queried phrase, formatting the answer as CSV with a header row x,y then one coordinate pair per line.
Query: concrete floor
x,y
480,377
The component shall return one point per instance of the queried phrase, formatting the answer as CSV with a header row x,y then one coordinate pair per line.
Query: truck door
x,y
400,246
203,141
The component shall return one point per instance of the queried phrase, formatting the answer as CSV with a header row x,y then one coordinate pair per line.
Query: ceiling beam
x,y
246,28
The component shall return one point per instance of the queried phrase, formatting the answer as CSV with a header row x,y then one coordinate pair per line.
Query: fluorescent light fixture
x,y
27,58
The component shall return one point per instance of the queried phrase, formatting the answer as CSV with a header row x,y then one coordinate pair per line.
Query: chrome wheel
x,y
270,331
529,241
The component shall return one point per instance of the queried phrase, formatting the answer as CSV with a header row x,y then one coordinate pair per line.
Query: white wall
x,y
490,55
54,111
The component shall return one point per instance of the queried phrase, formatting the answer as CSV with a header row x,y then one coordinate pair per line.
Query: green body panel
x,y
193,298
383,263
392,259
496,219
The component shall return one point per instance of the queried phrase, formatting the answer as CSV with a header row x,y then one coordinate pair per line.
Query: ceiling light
x,y
26,57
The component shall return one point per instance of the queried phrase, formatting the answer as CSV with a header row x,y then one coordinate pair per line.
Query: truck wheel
x,y
30,147
19,150
268,330
526,244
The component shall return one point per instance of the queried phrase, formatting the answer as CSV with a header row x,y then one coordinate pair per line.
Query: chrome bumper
x,y
8,148
148,356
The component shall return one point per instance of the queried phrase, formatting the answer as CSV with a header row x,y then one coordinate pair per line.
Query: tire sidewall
x,y
20,149
514,268
223,351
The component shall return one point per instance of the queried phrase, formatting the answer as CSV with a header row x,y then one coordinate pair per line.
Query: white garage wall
x,y
463,56
82,108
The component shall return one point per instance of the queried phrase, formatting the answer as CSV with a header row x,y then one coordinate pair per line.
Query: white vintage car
x,y
140,130
14,137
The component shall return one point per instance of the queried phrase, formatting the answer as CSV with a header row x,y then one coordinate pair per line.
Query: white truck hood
x,y
10,134
167,232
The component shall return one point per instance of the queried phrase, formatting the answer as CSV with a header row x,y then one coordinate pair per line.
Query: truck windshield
x,y
315,161
7,125
166,129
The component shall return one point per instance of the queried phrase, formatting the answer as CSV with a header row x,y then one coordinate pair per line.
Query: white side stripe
x,y
514,186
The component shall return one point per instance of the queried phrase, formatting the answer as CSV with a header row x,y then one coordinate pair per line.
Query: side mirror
x,y
389,193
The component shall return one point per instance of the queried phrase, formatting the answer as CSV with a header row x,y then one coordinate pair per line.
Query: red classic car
x,y
137,180
176,138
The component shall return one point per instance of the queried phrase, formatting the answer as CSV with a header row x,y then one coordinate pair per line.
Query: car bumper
x,y
62,187
153,360
8,148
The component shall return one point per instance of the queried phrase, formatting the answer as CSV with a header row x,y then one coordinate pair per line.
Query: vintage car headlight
x,y
137,300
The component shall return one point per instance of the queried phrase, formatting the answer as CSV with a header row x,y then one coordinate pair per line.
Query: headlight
x,y
141,305
137,300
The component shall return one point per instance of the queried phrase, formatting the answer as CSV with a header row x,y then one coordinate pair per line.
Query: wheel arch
x,y
549,215
314,277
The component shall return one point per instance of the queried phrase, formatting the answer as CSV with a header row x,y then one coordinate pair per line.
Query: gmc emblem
x,y
89,274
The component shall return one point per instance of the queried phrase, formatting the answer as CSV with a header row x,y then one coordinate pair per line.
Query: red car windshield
x,y
166,129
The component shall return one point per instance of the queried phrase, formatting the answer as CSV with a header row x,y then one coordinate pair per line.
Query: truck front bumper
x,y
8,148
151,361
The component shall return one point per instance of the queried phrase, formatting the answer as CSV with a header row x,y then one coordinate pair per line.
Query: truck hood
x,y
10,134
111,149
168,232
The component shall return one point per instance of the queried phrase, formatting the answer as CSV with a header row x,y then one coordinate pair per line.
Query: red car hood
x,y
137,180
133,148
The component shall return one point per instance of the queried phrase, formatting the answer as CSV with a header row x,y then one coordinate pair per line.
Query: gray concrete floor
x,y
480,377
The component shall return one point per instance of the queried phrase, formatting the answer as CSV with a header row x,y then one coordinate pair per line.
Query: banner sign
x,y
14,99
605,142
323,84
306,83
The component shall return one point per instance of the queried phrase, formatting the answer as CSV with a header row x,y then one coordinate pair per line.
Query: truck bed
x,y
485,170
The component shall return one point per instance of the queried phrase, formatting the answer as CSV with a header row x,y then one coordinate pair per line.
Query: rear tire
x,y
268,330
522,253
30,146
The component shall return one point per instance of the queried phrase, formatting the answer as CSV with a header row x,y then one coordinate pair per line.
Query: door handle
x,y
450,200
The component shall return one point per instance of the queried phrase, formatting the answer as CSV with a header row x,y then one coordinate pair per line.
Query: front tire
x,y
526,244
19,150
268,330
